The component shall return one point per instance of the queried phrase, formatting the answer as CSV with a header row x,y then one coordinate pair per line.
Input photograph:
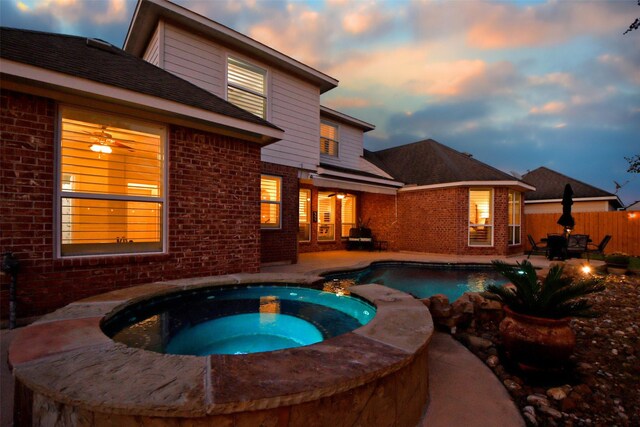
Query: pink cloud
x,y
553,107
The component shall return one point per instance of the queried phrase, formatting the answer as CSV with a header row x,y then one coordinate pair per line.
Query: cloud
x,y
552,107
348,102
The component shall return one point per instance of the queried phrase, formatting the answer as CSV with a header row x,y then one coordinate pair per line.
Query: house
x,y
313,179
550,185
198,151
450,203
116,172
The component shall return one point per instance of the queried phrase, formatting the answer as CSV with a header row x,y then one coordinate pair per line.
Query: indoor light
x,y
99,148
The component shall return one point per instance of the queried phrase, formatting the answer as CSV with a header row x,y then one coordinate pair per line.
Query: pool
x,y
423,280
237,320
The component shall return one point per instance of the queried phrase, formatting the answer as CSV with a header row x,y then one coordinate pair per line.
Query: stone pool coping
x,y
67,358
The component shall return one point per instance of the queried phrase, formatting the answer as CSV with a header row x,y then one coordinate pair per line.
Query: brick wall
x,y
282,245
213,202
435,221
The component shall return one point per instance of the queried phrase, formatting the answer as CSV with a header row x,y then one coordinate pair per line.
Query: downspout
x,y
10,266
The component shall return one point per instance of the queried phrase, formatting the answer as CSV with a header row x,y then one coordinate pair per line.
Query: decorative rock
x,y
529,414
478,343
568,404
440,306
538,400
511,385
493,361
550,411
557,393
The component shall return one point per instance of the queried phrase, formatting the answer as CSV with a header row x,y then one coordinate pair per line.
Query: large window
x,y
348,214
270,201
326,217
480,217
328,139
111,192
515,206
304,215
247,87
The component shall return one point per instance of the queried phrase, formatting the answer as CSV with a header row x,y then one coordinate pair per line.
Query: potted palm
x,y
617,263
535,331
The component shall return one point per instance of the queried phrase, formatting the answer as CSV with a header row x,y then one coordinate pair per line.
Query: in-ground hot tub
x,y
68,370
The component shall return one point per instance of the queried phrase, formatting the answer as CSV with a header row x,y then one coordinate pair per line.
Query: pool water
x,y
238,320
425,280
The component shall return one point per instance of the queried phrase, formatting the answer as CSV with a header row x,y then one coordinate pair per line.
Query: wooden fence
x,y
623,226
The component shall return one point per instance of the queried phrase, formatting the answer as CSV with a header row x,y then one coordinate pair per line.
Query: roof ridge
x,y
572,179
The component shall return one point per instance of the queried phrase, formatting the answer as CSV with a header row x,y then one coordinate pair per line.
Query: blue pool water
x,y
238,320
425,280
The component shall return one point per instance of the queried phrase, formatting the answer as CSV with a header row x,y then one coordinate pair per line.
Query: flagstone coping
x,y
65,357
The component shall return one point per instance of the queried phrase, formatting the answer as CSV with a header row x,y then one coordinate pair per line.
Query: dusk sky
x,y
518,84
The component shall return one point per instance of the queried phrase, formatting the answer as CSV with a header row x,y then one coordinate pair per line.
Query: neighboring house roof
x,y
104,63
429,163
344,118
149,12
550,187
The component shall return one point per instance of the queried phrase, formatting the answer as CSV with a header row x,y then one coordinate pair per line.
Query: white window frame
x,y
355,214
272,202
60,194
492,217
330,224
334,141
253,67
512,224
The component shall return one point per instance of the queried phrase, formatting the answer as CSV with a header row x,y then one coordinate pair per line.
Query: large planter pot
x,y
537,343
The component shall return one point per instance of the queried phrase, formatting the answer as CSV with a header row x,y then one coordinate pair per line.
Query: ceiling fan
x,y
104,141
339,195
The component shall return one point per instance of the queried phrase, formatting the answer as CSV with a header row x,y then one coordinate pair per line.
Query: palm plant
x,y
555,297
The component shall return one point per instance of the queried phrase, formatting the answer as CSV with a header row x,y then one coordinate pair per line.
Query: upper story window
x,y
247,86
328,139
480,217
515,206
111,195
270,201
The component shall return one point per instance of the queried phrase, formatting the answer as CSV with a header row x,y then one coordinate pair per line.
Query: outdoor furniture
x,y
557,247
599,248
537,248
577,245
360,238
380,245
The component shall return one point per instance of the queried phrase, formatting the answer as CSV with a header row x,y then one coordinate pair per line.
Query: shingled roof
x,y
550,186
102,62
428,162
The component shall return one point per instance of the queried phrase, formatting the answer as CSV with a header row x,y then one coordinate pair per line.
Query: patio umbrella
x,y
566,220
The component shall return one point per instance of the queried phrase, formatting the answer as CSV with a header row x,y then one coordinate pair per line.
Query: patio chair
x,y
577,245
538,248
599,248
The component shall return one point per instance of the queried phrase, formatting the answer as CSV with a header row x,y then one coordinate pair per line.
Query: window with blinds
x,y
348,214
304,215
515,206
111,193
480,217
326,217
270,201
328,139
246,86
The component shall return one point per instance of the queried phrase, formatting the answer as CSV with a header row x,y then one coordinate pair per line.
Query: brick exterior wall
x,y
213,209
282,245
435,221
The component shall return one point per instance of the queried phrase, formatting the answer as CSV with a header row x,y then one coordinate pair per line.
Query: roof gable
x,y
428,162
104,63
550,186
